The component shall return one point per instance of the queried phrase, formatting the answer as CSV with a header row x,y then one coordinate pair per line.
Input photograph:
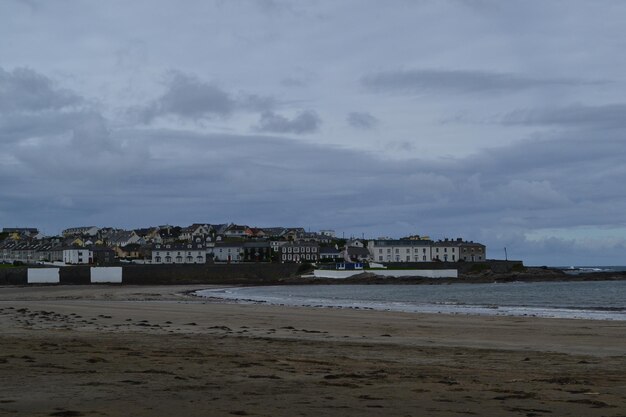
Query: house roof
x,y
229,244
401,242
354,251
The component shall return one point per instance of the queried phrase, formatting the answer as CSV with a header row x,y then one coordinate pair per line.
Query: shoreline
x,y
229,294
113,350
291,274
170,298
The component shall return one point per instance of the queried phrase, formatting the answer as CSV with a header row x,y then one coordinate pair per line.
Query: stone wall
x,y
262,273
14,276
207,274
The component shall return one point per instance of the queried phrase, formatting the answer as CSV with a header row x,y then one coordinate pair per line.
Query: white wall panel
x,y
43,275
111,274
424,273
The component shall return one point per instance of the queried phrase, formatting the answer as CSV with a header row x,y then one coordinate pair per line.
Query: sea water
x,y
600,300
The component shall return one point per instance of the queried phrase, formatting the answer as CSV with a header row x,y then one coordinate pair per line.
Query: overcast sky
x,y
502,122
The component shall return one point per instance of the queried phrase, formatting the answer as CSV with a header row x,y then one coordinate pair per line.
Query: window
x,y
380,251
408,258
397,250
408,250
380,258
424,257
388,250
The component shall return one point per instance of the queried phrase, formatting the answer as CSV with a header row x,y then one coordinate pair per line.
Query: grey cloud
x,y
52,132
293,82
254,102
304,122
19,126
189,97
362,120
607,116
457,82
24,90
35,112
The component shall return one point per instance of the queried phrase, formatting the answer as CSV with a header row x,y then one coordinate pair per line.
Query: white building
x,y
228,252
179,253
400,250
424,250
446,251
77,256
299,252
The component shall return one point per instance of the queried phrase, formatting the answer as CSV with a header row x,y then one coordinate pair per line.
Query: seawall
x,y
165,274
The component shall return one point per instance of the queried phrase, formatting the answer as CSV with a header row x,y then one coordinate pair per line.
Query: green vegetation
x,y
518,268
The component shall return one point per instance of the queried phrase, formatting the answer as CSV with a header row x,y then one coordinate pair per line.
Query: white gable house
x,y
77,256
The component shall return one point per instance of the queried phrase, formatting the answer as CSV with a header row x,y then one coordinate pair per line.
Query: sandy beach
x,y
157,351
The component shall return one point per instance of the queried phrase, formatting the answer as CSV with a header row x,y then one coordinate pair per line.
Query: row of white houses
x,y
200,252
383,250
388,250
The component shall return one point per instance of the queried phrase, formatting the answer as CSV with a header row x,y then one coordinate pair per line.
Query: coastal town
x,y
202,243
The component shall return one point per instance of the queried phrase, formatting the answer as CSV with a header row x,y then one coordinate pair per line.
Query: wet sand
x,y
154,351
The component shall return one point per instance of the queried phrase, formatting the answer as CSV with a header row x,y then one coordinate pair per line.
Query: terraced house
x,y
400,250
425,250
179,253
299,252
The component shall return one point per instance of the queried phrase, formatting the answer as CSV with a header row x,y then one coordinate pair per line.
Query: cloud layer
x,y
458,82
24,90
306,121
502,122
86,171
